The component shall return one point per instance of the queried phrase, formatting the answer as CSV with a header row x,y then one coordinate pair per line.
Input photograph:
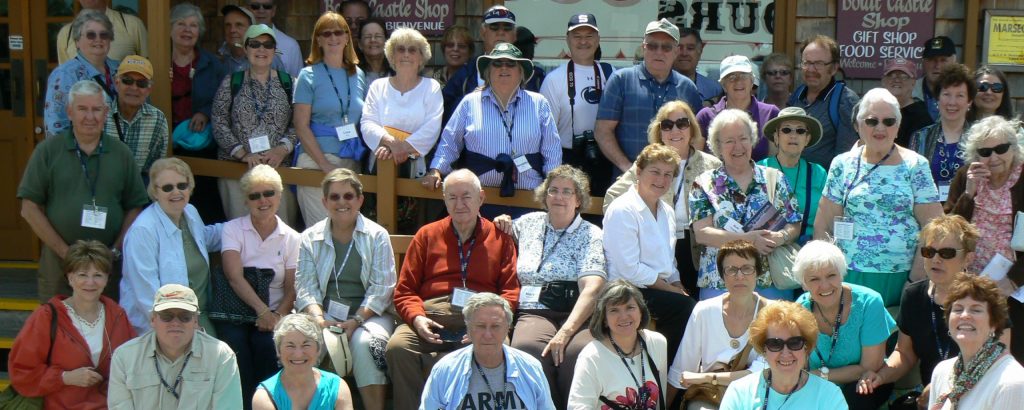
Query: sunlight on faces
x,y
185,32
785,361
824,284
260,56
176,200
942,271
655,57
970,321
297,351
583,42
340,209
880,137
333,44
174,334
263,206
98,47
371,40
778,82
736,282
623,319
989,100
817,78
677,138
738,86
133,95
565,202
88,114
88,283
456,54
899,84
998,164
505,78
792,143
735,144
407,57
954,102
462,200
488,326
689,54
655,179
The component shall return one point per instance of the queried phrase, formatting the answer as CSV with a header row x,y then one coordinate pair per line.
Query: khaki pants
x,y
310,199
234,200
411,358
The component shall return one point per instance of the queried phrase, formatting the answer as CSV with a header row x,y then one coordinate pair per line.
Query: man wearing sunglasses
x,y
134,121
939,52
287,48
177,365
634,94
232,51
129,34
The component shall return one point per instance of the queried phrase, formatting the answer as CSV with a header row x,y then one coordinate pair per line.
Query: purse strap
x,y
736,364
807,194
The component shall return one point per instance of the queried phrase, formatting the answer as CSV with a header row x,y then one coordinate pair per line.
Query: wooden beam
x,y
972,13
387,197
158,25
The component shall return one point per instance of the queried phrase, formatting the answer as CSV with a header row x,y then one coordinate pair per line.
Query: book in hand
x,y
768,218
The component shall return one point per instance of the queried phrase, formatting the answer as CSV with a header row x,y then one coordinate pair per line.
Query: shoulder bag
x,y
225,305
712,393
780,261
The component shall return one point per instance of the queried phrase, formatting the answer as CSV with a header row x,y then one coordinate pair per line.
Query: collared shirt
x,y
417,112
449,380
145,134
835,138
279,251
129,38
569,254
708,89
58,87
582,114
258,110
317,261
640,246
633,97
232,64
477,125
291,54
209,381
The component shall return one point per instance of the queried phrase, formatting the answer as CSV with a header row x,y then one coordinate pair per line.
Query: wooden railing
x,y
385,184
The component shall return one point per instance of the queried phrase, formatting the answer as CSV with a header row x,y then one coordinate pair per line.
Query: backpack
x,y
833,102
238,77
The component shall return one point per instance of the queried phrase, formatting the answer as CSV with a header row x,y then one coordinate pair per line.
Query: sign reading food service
x,y
1004,39
430,17
869,32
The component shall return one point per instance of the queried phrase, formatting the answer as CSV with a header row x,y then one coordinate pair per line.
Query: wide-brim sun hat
x,y
506,51
794,114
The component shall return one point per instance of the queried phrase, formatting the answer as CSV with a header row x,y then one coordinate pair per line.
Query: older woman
x,y
790,133
402,116
898,77
93,33
69,368
457,47
372,37
852,323
327,110
877,197
776,79
785,335
346,279
502,111
725,201
260,240
987,193
673,126
715,349
941,143
300,384
737,79
250,120
993,96
983,375
621,340
167,243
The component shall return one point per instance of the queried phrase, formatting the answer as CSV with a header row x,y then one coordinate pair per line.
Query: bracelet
x,y
785,236
264,312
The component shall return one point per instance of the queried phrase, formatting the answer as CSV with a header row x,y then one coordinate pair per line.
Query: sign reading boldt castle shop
x,y
869,32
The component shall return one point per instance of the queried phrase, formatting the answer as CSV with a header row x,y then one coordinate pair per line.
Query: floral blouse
x,y
715,194
258,110
579,253
993,215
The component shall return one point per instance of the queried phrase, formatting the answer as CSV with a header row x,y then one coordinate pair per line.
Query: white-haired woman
x,y
853,324
724,203
876,199
93,33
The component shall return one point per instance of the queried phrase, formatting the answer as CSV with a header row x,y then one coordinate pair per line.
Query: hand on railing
x,y
432,180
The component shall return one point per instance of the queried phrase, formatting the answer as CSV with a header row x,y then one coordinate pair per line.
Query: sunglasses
x,y
332,33
873,122
503,64
682,123
998,149
348,196
945,253
183,317
170,187
269,44
102,35
458,46
995,87
258,6
798,131
663,47
501,27
143,83
774,73
794,344
255,196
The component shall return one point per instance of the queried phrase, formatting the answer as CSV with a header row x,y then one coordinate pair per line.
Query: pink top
x,y
993,215
279,252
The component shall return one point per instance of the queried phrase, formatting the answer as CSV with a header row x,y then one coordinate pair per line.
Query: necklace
x,y
734,342
80,319
622,354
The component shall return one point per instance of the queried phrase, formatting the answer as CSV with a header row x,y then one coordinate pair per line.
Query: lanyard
x,y
570,79
944,349
768,385
85,169
117,124
641,388
835,330
348,88
464,258
509,125
504,383
104,80
543,239
173,390
682,179
337,289
260,108
856,181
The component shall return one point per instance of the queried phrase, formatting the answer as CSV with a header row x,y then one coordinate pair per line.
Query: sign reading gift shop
x,y
430,17
1004,39
869,32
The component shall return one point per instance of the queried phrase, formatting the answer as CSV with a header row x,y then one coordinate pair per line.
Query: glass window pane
x,y
51,40
3,8
5,53
126,6
5,90
60,8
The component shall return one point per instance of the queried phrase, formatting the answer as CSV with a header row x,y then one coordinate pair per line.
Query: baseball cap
x,y
499,14
136,64
257,30
582,20
735,64
175,296
231,7
663,26
900,64
939,46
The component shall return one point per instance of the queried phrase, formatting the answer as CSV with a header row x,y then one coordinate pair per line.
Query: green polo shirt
x,y
54,179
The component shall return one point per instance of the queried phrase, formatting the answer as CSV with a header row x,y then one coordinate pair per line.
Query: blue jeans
x,y
255,352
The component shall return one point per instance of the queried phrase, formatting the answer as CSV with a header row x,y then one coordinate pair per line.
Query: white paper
x,y
461,296
94,217
1019,294
259,144
522,165
842,230
337,311
530,294
732,226
346,132
997,267
943,192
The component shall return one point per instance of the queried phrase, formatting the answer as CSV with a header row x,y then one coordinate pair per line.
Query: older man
x,y
939,52
824,97
80,184
447,262
634,95
129,34
898,77
176,366
232,51
133,120
291,55
691,47
469,377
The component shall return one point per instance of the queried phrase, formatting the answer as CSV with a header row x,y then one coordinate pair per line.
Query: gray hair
x,y
261,174
726,118
818,255
461,173
185,10
85,88
993,127
298,322
875,95
86,16
407,36
482,300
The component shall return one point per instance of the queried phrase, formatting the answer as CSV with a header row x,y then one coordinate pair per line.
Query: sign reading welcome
x,y
869,32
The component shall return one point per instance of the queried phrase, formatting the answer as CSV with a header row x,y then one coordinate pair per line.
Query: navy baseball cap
x,y
499,14
582,20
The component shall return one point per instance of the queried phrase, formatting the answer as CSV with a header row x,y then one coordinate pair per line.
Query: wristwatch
x,y
714,379
824,372
116,253
359,319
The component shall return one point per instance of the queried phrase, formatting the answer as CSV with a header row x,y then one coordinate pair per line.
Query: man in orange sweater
x,y
447,262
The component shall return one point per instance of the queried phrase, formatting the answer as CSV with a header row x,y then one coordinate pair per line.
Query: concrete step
x,y
19,281
11,322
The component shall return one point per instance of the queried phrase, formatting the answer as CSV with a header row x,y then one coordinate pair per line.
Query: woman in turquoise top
x,y
328,103
852,323
299,384
877,197
791,132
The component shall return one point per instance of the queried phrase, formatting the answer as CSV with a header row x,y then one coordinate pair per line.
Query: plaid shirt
x,y
145,135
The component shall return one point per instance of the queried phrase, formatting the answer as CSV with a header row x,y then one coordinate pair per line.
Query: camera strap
x,y
570,79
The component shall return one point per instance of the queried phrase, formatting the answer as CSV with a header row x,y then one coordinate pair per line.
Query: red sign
x,y
870,32
430,17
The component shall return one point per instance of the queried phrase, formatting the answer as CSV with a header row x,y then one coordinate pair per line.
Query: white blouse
x,y
707,341
640,247
91,332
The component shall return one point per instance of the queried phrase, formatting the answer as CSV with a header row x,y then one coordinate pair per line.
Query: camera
x,y
585,146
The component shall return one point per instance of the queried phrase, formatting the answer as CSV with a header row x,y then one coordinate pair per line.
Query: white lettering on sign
x,y
15,42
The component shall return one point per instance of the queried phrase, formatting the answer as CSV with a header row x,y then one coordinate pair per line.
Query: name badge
x,y
943,192
259,144
461,296
337,311
346,132
842,228
94,216
732,226
522,165
530,294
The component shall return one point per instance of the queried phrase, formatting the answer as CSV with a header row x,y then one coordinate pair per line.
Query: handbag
x,y
1017,240
10,399
560,295
712,393
780,261
225,305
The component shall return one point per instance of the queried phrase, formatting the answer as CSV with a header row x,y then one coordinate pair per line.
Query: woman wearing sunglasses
x,y
737,78
167,243
877,197
791,133
674,126
259,240
346,279
993,94
251,119
93,34
942,143
989,192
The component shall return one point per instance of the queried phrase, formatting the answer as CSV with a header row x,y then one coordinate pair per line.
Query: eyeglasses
x,y
778,73
168,317
142,83
736,271
794,344
817,65
731,78
998,149
873,122
377,37
503,64
663,47
898,76
564,192
945,253
995,87
501,27
682,124
264,6
407,49
458,46
348,196
798,131
255,196
333,33
102,35
254,44
170,187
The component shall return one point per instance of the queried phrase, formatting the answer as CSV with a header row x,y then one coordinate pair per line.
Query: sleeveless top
x,y
323,398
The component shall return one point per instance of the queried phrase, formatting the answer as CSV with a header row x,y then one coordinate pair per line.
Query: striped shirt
x,y
479,125
145,135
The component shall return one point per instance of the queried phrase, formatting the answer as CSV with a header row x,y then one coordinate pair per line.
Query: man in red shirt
x,y
447,262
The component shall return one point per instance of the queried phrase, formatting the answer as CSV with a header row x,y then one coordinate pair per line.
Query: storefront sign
x,y
869,32
1004,39
430,17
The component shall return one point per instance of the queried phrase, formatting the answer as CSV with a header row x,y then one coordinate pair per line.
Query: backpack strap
x,y
286,82
53,331
833,104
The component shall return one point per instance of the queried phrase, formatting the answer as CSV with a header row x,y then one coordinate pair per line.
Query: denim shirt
x,y
449,380
58,89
